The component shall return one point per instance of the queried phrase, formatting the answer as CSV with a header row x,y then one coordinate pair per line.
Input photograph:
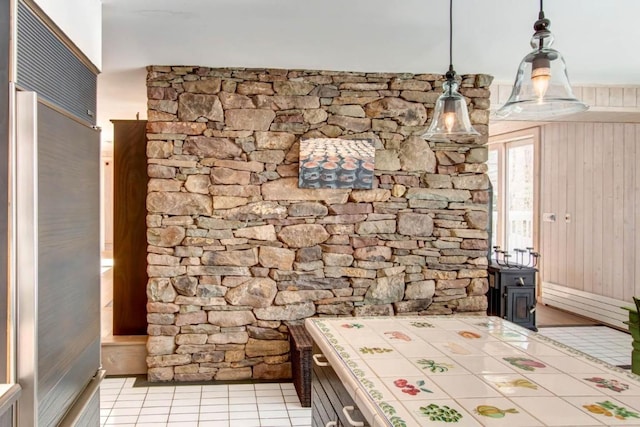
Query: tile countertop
x,y
471,371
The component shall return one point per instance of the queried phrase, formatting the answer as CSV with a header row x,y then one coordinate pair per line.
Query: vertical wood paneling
x,y
629,208
555,191
587,228
578,219
596,225
615,97
607,209
589,172
562,194
570,276
616,285
545,204
629,97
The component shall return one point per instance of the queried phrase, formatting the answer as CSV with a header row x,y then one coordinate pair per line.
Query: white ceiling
x,y
599,39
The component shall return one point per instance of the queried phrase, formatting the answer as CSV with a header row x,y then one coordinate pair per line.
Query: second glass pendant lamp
x,y
542,88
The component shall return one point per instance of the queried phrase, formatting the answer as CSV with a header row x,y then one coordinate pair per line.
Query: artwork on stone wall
x,y
336,163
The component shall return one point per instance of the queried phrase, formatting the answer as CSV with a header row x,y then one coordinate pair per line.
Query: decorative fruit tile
x,y
564,385
515,385
413,387
439,412
553,411
457,348
610,384
483,365
606,410
509,335
528,364
630,401
438,366
498,411
460,386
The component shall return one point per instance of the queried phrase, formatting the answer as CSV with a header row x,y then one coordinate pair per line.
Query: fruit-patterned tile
x,y
553,411
564,385
392,412
509,335
535,348
455,347
438,412
375,350
609,411
398,367
611,384
483,365
438,366
413,387
460,386
515,385
528,364
399,335
567,364
498,411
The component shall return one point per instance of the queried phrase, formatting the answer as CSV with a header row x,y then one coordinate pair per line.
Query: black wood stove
x,y
512,287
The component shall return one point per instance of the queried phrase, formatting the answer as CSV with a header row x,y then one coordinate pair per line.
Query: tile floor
x,y
276,404
607,344
235,405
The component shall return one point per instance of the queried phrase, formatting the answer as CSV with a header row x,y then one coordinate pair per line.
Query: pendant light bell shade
x,y
542,88
450,117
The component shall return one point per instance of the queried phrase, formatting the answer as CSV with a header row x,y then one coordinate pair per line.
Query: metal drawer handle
x,y
316,359
346,411
331,424
521,281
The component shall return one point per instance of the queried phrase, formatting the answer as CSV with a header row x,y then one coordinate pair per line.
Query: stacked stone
x,y
236,248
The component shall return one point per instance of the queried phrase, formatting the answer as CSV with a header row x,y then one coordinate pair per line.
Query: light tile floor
x,y
277,404
607,344
235,405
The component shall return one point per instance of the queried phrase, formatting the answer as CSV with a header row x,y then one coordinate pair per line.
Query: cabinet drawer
x,y
329,397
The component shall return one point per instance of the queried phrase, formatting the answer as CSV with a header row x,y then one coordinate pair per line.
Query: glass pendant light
x,y
450,118
542,88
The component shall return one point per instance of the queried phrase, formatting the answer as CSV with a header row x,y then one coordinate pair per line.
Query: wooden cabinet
x,y
329,398
129,227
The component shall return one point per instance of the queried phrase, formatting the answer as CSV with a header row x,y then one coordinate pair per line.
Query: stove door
x,y
521,306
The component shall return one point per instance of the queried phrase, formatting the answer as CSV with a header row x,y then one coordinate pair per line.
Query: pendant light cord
x,y
451,35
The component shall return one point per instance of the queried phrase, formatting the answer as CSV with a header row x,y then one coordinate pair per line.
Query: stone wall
x,y
236,248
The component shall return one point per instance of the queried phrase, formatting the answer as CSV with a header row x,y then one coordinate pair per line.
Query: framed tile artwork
x,y
336,163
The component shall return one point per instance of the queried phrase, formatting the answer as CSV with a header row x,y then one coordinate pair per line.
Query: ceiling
x,y
599,39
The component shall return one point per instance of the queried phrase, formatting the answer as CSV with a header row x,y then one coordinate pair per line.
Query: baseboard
x,y
124,354
597,307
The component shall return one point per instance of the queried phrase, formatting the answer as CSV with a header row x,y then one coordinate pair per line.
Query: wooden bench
x,y
301,345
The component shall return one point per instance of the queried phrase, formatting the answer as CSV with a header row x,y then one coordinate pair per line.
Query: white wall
x,y
81,21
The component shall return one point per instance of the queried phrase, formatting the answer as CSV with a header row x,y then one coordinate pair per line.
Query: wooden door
x,y
129,228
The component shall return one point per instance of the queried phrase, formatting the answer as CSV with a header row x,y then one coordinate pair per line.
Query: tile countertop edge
x,y
371,410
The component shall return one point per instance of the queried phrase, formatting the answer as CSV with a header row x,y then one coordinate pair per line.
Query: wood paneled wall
x,y
591,182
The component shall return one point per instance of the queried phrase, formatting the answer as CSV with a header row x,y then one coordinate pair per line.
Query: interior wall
x,y
591,184
236,249
5,29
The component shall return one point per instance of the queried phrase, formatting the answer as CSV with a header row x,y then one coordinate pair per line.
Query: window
x,y
513,172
